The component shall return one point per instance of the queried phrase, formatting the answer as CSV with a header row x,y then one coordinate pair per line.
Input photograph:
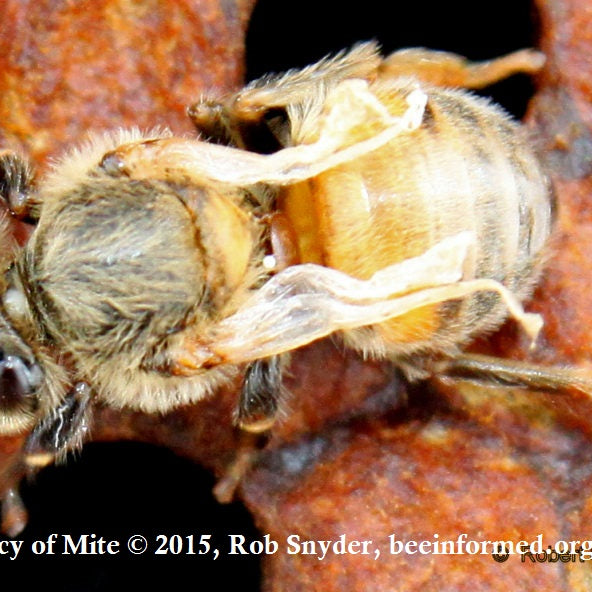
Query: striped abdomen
x,y
468,167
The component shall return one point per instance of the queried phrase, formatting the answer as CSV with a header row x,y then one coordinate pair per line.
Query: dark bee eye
x,y
18,381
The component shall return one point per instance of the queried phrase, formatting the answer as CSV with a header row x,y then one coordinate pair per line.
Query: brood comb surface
x,y
358,454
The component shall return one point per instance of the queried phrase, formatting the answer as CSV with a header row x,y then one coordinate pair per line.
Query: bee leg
x,y
256,118
261,395
448,69
247,452
252,103
14,514
63,430
16,182
498,371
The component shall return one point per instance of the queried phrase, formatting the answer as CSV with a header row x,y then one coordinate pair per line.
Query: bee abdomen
x,y
468,167
494,185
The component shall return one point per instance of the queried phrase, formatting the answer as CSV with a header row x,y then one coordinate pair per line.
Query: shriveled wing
x,y
349,105
306,302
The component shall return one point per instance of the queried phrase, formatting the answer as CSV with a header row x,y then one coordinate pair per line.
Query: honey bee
x,y
360,196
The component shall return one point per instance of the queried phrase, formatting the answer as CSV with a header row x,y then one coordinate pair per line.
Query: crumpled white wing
x,y
306,302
